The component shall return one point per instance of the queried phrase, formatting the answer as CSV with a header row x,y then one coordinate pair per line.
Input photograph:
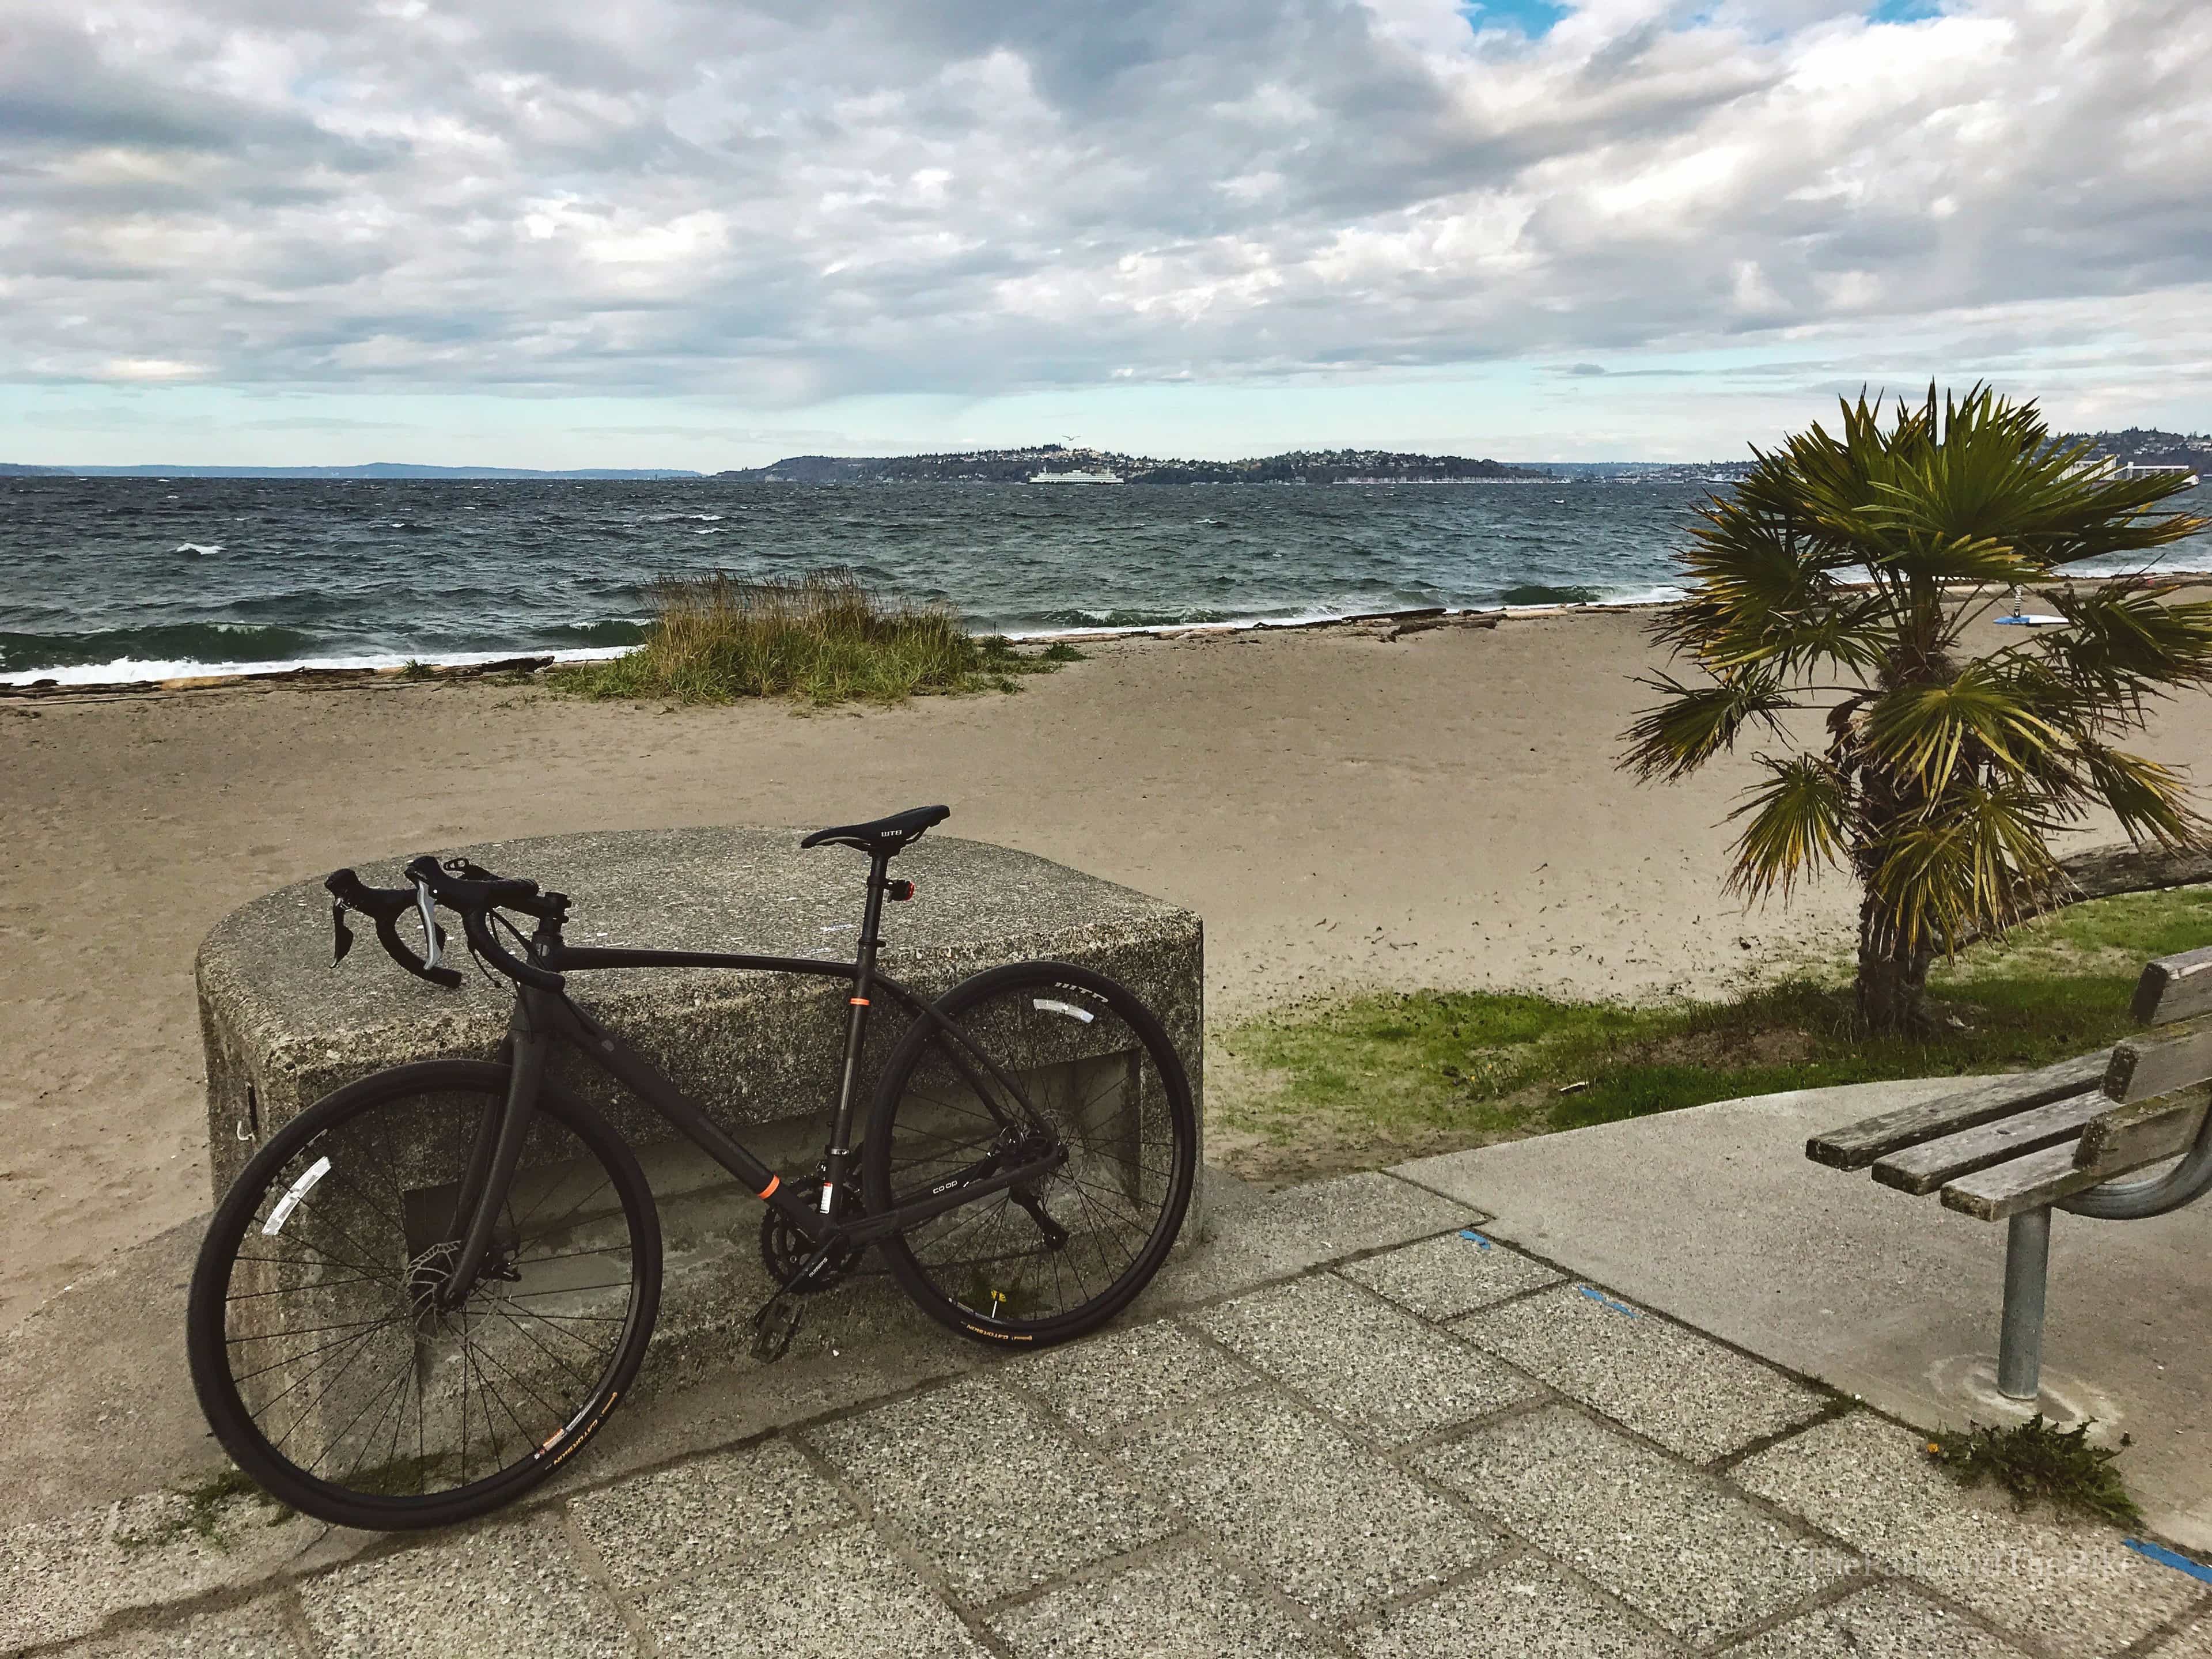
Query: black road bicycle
x,y
430,1289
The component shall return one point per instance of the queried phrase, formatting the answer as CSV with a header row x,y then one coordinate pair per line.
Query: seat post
x,y
837,1160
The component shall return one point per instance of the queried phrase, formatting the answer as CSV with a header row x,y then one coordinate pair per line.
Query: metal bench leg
x,y
2020,1341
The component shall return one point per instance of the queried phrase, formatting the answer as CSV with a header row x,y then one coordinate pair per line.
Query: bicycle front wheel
x,y
319,1351
1045,1261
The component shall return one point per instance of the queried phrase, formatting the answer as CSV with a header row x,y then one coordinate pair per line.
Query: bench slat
x,y
1858,1145
1924,1168
2161,1061
2142,1133
2114,1141
2175,988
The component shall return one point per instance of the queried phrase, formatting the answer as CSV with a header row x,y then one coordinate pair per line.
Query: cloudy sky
x,y
707,233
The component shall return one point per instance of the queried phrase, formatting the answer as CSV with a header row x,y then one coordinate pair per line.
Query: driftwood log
x,y
2107,872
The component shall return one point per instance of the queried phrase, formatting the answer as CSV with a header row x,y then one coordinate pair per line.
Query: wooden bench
x,y
2013,1149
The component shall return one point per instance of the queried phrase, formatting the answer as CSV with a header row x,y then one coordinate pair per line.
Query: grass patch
x,y
2036,1459
1363,1083
823,638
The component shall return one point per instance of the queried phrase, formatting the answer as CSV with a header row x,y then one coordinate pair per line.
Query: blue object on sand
x,y
1469,1233
2167,1557
1607,1302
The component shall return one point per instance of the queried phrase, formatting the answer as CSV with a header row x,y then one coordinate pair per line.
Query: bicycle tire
x,y
351,1250
1103,1070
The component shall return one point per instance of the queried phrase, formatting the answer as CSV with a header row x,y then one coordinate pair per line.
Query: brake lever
x,y
433,937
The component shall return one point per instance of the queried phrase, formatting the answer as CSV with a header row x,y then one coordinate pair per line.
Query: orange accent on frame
x,y
860,1002
774,1182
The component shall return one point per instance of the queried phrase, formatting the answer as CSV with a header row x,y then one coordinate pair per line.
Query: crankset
x,y
785,1250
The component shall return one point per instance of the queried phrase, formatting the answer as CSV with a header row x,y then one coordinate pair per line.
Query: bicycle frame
x,y
542,1018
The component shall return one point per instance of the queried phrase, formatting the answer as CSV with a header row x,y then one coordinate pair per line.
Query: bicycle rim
x,y
1050,1259
319,1351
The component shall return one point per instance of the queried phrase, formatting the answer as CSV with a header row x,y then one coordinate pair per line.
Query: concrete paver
x,y
1288,1232
1356,1451
1871,1484
1163,1611
706,1514
1715,1216
61,1579
1529,1607
513,1587
260,1630
1672,1542
1691,1395
999,1500
1104,1385
830,1598
1364,1362
1883,1621
1442,1277
2192,1642
1324,1520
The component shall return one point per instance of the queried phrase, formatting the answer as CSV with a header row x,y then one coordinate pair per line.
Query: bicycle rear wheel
x,y
1042,1263
318,1350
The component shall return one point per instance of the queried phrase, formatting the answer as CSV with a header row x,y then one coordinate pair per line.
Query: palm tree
x,y
1847,574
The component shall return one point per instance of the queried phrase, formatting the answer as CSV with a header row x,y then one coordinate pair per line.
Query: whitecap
x,y
202,548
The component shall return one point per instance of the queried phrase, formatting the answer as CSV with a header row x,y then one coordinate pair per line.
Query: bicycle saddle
x,y
884,836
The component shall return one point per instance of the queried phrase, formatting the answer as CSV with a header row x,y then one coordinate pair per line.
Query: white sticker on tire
x,y
1067,1008
290,1201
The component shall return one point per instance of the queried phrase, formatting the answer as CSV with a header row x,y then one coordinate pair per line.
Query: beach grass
x,y
1369,1081
825,637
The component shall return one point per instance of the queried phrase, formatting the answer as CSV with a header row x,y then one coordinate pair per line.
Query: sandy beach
x,y
1343,812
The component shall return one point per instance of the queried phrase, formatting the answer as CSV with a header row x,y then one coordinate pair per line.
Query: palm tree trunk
x,y
1892,979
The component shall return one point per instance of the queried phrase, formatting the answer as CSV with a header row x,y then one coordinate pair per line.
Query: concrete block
x,y
1883,1621
1672,1542
1370,1366
1319,1516
829,1598
2066,1583
708,1516
1442,1277
1184,1609
1671,1385
1527,1607
282,1028
985,1488
515,1587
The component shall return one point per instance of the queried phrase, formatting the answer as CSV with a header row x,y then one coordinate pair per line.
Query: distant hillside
x,y
2149,446
1020,466
372,469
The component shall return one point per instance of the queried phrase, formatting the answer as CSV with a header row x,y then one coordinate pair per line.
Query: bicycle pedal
x,y
774,1326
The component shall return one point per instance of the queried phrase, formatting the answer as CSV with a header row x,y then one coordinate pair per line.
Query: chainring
x,y
785,1250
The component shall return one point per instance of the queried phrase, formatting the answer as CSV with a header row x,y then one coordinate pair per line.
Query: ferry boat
x,y
1075,478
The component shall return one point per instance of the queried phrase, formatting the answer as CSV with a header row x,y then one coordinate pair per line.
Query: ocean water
x,y
121,579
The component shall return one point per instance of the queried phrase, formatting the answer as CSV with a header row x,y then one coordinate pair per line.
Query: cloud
x,y
778,203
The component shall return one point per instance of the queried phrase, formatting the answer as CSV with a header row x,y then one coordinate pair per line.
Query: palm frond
x,y
1977,862
2150,801
1924,731
2125,642
1800,820
1694,723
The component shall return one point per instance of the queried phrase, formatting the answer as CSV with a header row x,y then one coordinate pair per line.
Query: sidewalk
x,y
1357,1421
